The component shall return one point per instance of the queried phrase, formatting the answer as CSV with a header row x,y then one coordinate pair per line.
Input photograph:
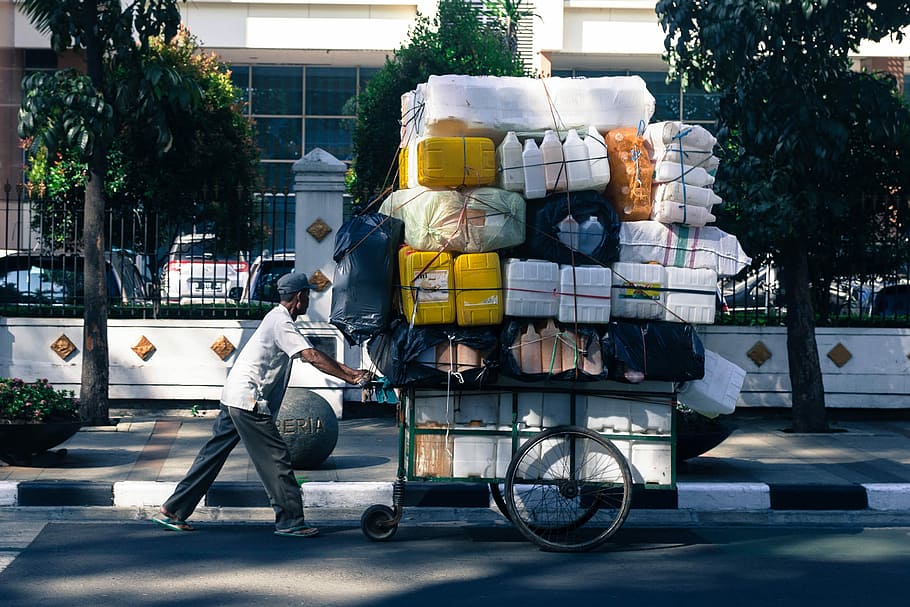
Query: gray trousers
x,y
270,457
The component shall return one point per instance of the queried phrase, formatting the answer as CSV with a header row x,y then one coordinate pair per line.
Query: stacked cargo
x,y
582,250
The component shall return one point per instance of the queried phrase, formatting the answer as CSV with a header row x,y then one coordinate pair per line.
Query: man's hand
x,y
363,377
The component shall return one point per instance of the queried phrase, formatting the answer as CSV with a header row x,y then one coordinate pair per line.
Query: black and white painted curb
x,y
701,497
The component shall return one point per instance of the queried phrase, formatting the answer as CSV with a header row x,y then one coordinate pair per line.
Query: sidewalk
x,y
760,474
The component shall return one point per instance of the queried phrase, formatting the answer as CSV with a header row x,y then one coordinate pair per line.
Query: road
x,y
138,564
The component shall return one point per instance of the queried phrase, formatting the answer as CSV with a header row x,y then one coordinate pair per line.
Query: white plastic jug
x,y
568,232
578,168
672,171
597,156
683,193
673,212
509,171
535,180
554,162
590,235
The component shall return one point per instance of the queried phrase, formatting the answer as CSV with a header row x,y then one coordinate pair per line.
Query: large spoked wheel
x,y
378,523
499,500
568,489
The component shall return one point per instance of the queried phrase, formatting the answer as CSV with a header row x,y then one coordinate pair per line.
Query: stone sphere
x,y
308,425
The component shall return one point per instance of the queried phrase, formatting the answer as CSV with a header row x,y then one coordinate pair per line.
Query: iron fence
x,y
161,268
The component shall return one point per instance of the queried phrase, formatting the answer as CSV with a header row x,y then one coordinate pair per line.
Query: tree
x,y
809,146
73,111
455,42
213,138
509,13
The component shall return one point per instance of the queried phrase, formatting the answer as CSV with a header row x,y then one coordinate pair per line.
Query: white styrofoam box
x,y
439,409
651,418
651,462
584,294
490,106
717,392
609,415
638,290
474,456
477,407
530,287
504,454
544,410
691,295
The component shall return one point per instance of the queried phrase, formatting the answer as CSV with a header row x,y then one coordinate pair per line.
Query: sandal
x,y
171,522
300,531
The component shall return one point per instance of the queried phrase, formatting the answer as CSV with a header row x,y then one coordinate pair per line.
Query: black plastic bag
x,y
586,358
543,217
366,249
660,351
397,353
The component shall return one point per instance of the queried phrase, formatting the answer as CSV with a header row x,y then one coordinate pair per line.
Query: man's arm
x,y
328,365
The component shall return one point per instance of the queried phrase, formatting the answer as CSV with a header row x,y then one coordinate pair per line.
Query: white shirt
x,y
260,375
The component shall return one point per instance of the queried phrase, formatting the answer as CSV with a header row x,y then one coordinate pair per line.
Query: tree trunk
x,y
93,395
808,390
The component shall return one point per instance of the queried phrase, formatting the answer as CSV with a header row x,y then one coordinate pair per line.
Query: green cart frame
x,y
560,459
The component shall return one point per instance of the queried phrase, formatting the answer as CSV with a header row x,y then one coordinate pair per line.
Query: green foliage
x,y
455,42
35,402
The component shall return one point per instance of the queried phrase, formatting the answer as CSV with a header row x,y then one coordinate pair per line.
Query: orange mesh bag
x,y
629,190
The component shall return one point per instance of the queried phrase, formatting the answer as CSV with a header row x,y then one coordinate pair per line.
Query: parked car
x,y
265,271
197,271
892,300
29,278
758,290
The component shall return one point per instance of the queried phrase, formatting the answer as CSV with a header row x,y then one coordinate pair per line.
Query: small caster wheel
x,y
376,523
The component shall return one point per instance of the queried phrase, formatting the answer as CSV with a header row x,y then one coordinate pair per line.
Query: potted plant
x,y
33,418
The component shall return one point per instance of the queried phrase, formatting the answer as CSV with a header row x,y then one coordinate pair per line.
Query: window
x,y
296,109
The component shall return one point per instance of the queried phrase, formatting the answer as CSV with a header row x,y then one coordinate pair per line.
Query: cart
x,y
561,459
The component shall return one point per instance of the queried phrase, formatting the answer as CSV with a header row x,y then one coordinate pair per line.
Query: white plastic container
x,y
578,166
666,211
474,457
651,462
434,411
538,410
691,295
554,162
535,179
509,167
477,410
684,193
717,392
673,171
638,290
608,415
590,235
584,294
530,288
651,418
597,156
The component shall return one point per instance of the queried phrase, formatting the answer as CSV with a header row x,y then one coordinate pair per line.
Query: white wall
x,y
184,366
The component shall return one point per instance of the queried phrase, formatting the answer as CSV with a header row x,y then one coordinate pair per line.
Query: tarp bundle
x,y
363,285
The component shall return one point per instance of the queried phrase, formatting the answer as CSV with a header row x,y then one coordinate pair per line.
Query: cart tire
x,y
568,489
499,500
376,523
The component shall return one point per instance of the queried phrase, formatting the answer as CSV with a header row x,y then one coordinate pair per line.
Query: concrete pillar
x,y
319,190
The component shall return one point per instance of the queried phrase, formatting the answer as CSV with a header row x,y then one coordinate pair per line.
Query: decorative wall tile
x,y
321,281
759,353
63,347
319,229
223,347
144,348
840,355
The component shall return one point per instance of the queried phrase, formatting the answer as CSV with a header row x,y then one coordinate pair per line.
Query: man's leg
x,y
273,463
205,468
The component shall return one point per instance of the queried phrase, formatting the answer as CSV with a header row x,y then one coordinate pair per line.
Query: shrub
x,y
35,402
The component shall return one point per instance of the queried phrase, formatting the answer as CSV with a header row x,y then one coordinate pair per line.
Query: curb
x,y
700,497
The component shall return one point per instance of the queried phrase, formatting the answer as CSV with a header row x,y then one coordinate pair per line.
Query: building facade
x,y
297,63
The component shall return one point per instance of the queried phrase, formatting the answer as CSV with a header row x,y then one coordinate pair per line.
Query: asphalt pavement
x,y
761,474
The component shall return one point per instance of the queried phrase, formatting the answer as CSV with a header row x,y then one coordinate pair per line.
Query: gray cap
x,y
293,282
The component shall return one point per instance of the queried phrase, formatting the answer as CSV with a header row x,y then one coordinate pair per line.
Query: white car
x,y
197,272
